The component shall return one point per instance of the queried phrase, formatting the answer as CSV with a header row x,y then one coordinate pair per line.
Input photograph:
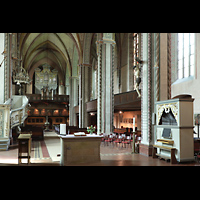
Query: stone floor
x,y
110,156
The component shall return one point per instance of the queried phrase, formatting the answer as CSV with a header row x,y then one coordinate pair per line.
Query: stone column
x,y
156,82
105,98
2,39
7,67
130,72
73,99
146,95
67,89
61,88
84,93
165,66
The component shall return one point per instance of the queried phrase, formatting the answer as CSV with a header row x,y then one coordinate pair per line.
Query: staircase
x,y
12,113
4,144
19,110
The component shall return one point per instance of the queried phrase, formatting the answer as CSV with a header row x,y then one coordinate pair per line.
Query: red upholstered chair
x,y
198,156
103,140
109,139
127,141
117,140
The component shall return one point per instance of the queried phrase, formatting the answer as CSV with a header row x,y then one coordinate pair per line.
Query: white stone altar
x,y
80,149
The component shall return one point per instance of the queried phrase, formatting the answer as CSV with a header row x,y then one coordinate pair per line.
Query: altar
x,y
80,149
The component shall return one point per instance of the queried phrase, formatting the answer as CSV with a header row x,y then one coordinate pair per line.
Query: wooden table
x,y
24,147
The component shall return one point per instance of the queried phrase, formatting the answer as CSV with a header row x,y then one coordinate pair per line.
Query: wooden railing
x,y
122,101
56,97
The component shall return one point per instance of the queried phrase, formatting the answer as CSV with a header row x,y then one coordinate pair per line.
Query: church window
x,y
186,55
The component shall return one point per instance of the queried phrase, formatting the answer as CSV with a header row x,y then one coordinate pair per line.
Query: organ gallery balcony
x,y
55,98
126,101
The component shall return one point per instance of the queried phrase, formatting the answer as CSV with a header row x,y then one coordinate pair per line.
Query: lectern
x,y
24,147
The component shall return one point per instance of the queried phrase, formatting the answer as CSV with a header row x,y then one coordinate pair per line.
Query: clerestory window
x,y
186,55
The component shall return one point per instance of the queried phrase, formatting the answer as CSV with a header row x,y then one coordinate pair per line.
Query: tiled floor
x,y
110,156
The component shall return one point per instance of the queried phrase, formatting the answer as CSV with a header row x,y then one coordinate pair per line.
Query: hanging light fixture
x,y
20,75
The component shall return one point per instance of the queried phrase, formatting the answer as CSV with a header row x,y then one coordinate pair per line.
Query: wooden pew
x,y
166,148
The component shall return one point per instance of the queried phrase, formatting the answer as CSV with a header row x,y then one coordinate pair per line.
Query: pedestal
x,y
145,150
80,149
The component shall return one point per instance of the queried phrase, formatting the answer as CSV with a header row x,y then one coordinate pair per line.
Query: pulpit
x,y
174,129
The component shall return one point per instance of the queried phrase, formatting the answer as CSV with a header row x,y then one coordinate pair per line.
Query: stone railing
x,y
19,110
12,113
5,120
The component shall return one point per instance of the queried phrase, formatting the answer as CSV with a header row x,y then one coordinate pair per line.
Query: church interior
x,y
133,95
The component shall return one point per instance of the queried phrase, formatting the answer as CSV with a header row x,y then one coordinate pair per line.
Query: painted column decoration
x,y
2,68
149,88
146,89
169,63
157,68
6,67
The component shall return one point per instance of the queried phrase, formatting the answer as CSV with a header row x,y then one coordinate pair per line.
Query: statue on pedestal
x,y
137,69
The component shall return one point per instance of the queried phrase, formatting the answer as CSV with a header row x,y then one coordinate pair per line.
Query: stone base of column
x,y
145,150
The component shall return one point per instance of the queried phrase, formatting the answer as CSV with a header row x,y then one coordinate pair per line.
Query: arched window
x,y
186,54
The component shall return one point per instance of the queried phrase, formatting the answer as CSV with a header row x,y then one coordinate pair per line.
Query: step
x,y
4,148
4,140
4,143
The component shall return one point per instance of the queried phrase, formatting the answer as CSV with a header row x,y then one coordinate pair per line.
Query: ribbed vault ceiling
x,y
56,49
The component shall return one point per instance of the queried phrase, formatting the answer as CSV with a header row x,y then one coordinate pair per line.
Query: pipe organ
x,y
174,128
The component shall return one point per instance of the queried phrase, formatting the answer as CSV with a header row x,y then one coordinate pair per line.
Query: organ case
x,y
174,127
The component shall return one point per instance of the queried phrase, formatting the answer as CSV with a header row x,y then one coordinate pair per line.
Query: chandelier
x,y
20,76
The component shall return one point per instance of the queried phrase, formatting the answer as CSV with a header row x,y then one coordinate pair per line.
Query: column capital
x,y
109,38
